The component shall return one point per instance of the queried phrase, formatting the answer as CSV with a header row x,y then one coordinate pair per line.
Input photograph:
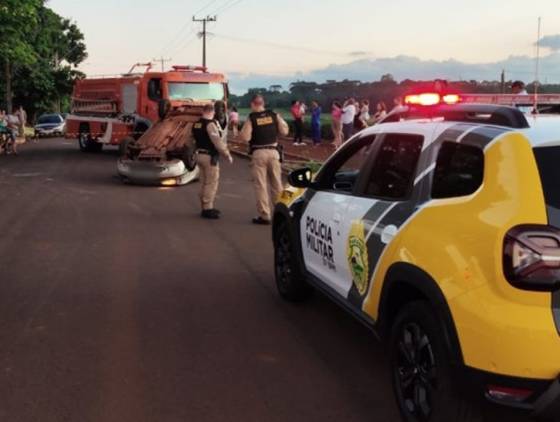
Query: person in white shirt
x,y
365,115
348,115
518,88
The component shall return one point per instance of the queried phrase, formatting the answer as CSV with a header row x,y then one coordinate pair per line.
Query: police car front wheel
x,y
421,371
289,279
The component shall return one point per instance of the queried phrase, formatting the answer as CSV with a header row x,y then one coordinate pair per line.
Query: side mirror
x,y
163,108
301,178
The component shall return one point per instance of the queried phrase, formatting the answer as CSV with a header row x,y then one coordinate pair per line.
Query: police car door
x,y
325,224
385,200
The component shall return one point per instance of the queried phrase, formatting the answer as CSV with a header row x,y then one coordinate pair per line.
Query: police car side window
x,y
393,172
459,170
341,174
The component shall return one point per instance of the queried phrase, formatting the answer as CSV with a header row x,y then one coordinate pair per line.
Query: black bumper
x,y
542,403
548,404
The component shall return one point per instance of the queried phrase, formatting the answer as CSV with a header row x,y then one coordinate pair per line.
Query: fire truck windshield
x,y
196,91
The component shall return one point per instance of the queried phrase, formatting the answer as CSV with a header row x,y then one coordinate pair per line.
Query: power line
x,y
282,46
184,28
181,40
187,41
226,6
162,60
203,8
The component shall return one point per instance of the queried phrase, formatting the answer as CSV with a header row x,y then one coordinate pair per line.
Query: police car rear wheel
x,y
421,371
289,281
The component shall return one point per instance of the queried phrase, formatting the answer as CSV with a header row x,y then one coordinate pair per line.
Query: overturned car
x,y
161,156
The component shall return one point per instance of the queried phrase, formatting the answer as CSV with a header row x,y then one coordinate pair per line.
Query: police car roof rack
x,y
469,113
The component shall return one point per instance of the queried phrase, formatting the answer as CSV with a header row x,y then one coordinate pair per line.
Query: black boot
x,y
210,214
261,221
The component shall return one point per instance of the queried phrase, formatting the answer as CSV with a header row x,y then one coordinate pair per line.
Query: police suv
x,y
440,229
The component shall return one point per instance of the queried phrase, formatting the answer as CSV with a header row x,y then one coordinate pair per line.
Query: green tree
x,y
42,79
17,18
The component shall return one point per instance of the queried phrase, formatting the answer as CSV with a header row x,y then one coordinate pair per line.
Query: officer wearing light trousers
x,y
210,145
261,130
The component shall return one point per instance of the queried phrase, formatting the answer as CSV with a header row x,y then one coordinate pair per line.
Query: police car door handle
x,y
388,233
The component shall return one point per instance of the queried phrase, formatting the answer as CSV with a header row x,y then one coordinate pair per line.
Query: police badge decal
x,y
358,257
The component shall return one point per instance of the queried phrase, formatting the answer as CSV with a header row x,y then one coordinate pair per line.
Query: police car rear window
x,y
459,171
548,161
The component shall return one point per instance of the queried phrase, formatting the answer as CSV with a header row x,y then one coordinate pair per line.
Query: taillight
x,y
532,257
508,394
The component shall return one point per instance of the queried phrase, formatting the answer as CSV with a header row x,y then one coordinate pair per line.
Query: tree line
x,y
39,54
385,90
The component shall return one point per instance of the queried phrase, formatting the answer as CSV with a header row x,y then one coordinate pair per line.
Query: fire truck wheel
x,y
124,145
87,144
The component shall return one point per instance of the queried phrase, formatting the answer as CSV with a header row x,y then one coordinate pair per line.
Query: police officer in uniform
x,y
210,146
261,130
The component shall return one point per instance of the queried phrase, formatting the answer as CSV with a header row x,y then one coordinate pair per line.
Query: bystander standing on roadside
x,y
21,114
221,117
298,123
365,115
3,130
336,116
12,122
518,88
380,112
316,123
303,108
348,115
234,121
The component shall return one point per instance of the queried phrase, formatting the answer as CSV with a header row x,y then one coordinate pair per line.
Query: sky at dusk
x,y
298,37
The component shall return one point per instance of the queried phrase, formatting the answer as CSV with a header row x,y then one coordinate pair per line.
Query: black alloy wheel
x,y
415,371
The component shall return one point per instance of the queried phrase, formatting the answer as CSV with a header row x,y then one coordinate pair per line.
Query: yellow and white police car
x,y
440,229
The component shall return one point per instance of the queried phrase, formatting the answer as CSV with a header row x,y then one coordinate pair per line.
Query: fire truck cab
x,y
106,111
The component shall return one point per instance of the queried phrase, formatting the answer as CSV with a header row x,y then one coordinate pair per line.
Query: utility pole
x,y
537,68
503,81
203,34
162,61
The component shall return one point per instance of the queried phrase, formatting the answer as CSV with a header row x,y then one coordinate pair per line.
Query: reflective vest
x,y
265,128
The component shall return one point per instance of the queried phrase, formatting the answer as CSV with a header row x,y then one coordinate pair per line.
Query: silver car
x,y
50,125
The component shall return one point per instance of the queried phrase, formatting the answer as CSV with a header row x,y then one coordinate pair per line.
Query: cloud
x,y
551,41
408,67
358,53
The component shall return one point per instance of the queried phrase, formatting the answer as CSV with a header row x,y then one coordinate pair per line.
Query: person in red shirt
x,y
298,123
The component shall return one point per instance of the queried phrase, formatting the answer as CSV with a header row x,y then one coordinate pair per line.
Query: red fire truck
x,y
106,111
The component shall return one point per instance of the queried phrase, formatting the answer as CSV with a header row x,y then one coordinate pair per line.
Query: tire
x,y
189,158
86,144
123,146
139,129
290,281
421,371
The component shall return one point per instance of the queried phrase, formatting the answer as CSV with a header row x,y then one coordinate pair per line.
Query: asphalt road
x,y
117,303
